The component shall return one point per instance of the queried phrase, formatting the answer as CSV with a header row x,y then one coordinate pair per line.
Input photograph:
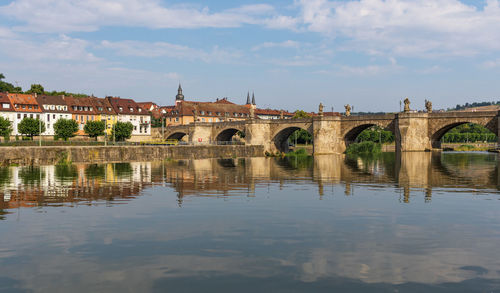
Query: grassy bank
x,y
365,147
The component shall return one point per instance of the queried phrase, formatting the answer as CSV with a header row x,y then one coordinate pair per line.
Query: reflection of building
x,y
46,185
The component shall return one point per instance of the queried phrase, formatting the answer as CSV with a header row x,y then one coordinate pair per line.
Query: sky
x,y
292,54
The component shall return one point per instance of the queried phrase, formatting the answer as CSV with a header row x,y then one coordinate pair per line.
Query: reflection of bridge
x,y
413,131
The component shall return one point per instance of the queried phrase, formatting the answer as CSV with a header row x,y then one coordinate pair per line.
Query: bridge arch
x,y
177,135
280,138
437,131
350,134
227,134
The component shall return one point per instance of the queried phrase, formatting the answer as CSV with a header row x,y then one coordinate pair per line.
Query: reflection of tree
x,y
95,171
31,175
4,176
66,172
297,162
122,169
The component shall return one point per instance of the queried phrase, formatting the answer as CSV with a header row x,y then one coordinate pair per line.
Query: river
x,y
415,222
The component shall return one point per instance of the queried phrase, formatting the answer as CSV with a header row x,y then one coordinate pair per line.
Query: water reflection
x,y
45,185
386,223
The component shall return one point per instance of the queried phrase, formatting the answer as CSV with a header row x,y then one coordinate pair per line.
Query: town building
x,y
185,112
24,106
82,109
129,111
6,109
53,109
105,113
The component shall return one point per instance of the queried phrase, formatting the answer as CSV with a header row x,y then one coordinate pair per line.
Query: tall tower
x,y
253,99
248,98
179,96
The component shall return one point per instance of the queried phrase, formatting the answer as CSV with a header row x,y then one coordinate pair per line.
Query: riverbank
x,y
100,154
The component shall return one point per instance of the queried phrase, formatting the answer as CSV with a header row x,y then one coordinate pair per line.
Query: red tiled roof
x,y
223,101
148,106
210,109
102,106
78,105
26,100
51,100
126,106
4,99
272,112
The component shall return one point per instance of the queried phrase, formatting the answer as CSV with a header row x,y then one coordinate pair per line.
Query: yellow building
x,y
105,112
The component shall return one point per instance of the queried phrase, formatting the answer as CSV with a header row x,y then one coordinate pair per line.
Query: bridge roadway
x,y
413,131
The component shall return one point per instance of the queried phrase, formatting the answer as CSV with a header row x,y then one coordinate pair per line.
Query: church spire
x,y
253,99
248,98
179,96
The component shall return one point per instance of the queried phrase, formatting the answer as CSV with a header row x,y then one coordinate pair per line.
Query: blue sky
x,y
293,54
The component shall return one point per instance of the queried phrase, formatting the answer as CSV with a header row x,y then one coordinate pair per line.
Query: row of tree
x,y
469,137
35,88
376,134
65,128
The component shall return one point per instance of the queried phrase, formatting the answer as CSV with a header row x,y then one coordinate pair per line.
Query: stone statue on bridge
x,y
347,110
320,109
428,106
407,105
195,115
282,115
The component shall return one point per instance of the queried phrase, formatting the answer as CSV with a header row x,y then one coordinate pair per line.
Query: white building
x,y
53,109
6,109
24,106
130,111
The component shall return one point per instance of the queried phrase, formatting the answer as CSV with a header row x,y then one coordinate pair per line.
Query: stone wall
x,y
100,154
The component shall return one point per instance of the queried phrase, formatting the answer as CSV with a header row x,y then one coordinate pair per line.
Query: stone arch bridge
x,y
413,131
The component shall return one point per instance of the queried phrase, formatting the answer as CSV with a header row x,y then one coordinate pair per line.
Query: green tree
x,y
122,130
36,89
299,114
8,87
94,128
65,128
5,127
31,127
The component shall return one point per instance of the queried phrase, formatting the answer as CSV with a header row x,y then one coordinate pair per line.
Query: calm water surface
x,y
419,222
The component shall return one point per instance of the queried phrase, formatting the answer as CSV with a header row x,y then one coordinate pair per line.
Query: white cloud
x,y
163,49
60,48
285,44
75,15
491,63
416,28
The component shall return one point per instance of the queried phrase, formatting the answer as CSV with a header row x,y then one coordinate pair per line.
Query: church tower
x,y
179,96
248,98
253,99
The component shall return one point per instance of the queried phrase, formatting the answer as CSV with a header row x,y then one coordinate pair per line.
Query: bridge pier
x,y
202,133
412,132
258,133
327,136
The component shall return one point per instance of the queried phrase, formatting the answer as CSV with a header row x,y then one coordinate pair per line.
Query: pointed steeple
x,y
179,96
253,99
248,98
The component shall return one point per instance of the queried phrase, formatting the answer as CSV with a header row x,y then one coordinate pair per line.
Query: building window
x,y
54,116
135,128
176,119
18,116
5,106
25,115
48,117
24,106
